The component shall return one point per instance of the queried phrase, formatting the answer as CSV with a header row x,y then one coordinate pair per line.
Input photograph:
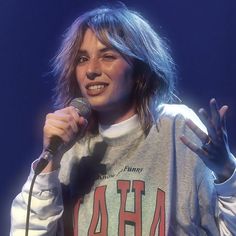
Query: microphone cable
x,y
84,109
42,163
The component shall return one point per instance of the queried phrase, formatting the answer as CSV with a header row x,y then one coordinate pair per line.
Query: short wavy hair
x,y
132,36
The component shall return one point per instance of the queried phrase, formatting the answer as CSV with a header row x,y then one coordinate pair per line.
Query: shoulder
x,y
171,121
178,113
173,110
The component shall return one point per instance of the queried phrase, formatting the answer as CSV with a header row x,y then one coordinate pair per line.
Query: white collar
x,y
119,129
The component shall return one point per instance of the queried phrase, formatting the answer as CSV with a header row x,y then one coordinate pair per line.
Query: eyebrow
x,y
102,50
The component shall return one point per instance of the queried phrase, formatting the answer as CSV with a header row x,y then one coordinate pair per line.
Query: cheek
x,y
125,79
79,78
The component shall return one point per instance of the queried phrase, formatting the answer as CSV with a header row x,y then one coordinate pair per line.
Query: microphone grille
x,y
82,105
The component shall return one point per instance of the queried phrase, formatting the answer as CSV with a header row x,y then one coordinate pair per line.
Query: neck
x,y
116,115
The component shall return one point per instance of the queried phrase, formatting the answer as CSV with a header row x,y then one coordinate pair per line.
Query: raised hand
x,y
215,151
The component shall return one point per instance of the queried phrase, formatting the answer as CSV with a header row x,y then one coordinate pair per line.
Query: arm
x,y
216,155
46,207
226,195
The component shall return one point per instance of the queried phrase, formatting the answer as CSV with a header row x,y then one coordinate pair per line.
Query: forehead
x,y
91,43
90,40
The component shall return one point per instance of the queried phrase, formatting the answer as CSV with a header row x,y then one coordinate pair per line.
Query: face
x,y
104,76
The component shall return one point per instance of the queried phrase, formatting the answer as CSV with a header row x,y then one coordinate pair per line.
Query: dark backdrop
x,y
202,35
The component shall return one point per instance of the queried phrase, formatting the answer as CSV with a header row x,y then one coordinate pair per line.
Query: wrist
x,y
51,166
227,170
47,162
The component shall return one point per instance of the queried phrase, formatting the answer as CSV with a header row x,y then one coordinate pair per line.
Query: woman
x,y
144,166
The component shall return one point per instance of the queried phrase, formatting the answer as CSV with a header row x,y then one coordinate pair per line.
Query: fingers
x,y
65,123
65,118
193,147
214,149
51,130
215,116
208,123
200,134
216,122
223,110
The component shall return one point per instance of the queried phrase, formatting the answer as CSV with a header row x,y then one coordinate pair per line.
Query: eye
x,y
82,59
109,57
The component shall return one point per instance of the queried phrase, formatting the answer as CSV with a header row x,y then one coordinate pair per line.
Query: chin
x,y
98,104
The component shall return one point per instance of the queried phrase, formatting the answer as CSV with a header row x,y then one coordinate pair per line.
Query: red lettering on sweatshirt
x,y
99,210
159,215
76,216
127,217
99,221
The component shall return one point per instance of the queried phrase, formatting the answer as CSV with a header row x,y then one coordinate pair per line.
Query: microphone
x,y
84,109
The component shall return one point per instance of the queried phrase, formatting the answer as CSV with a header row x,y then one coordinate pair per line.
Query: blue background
x,y
202,35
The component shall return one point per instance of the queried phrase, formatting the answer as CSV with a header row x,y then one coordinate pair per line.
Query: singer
x,y
141,163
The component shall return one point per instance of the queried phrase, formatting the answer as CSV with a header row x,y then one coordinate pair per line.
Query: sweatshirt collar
x,y
119,132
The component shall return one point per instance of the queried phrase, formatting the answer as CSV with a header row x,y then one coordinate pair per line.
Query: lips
x,y
96,88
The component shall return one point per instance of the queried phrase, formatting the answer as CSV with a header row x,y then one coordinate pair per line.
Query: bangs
x,y
110,30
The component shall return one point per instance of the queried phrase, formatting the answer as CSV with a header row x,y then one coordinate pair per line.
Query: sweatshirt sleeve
x,y
226,197
226,192
46,206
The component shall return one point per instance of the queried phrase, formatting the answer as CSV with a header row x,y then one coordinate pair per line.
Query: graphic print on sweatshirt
x,y
128,212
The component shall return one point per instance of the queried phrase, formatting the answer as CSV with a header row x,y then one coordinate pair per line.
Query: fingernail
x,y
200,110
213,100
188,121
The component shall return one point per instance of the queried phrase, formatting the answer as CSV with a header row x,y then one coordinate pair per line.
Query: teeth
x,y
96,87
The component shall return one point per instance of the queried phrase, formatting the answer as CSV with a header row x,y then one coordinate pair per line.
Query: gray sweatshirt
x,y
122,182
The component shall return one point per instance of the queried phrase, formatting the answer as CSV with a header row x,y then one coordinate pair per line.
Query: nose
x,y
93,69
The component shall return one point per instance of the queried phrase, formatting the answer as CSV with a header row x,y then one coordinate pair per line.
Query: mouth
x,y
94,89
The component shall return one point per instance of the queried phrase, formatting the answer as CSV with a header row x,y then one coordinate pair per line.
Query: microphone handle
x,y
48,154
